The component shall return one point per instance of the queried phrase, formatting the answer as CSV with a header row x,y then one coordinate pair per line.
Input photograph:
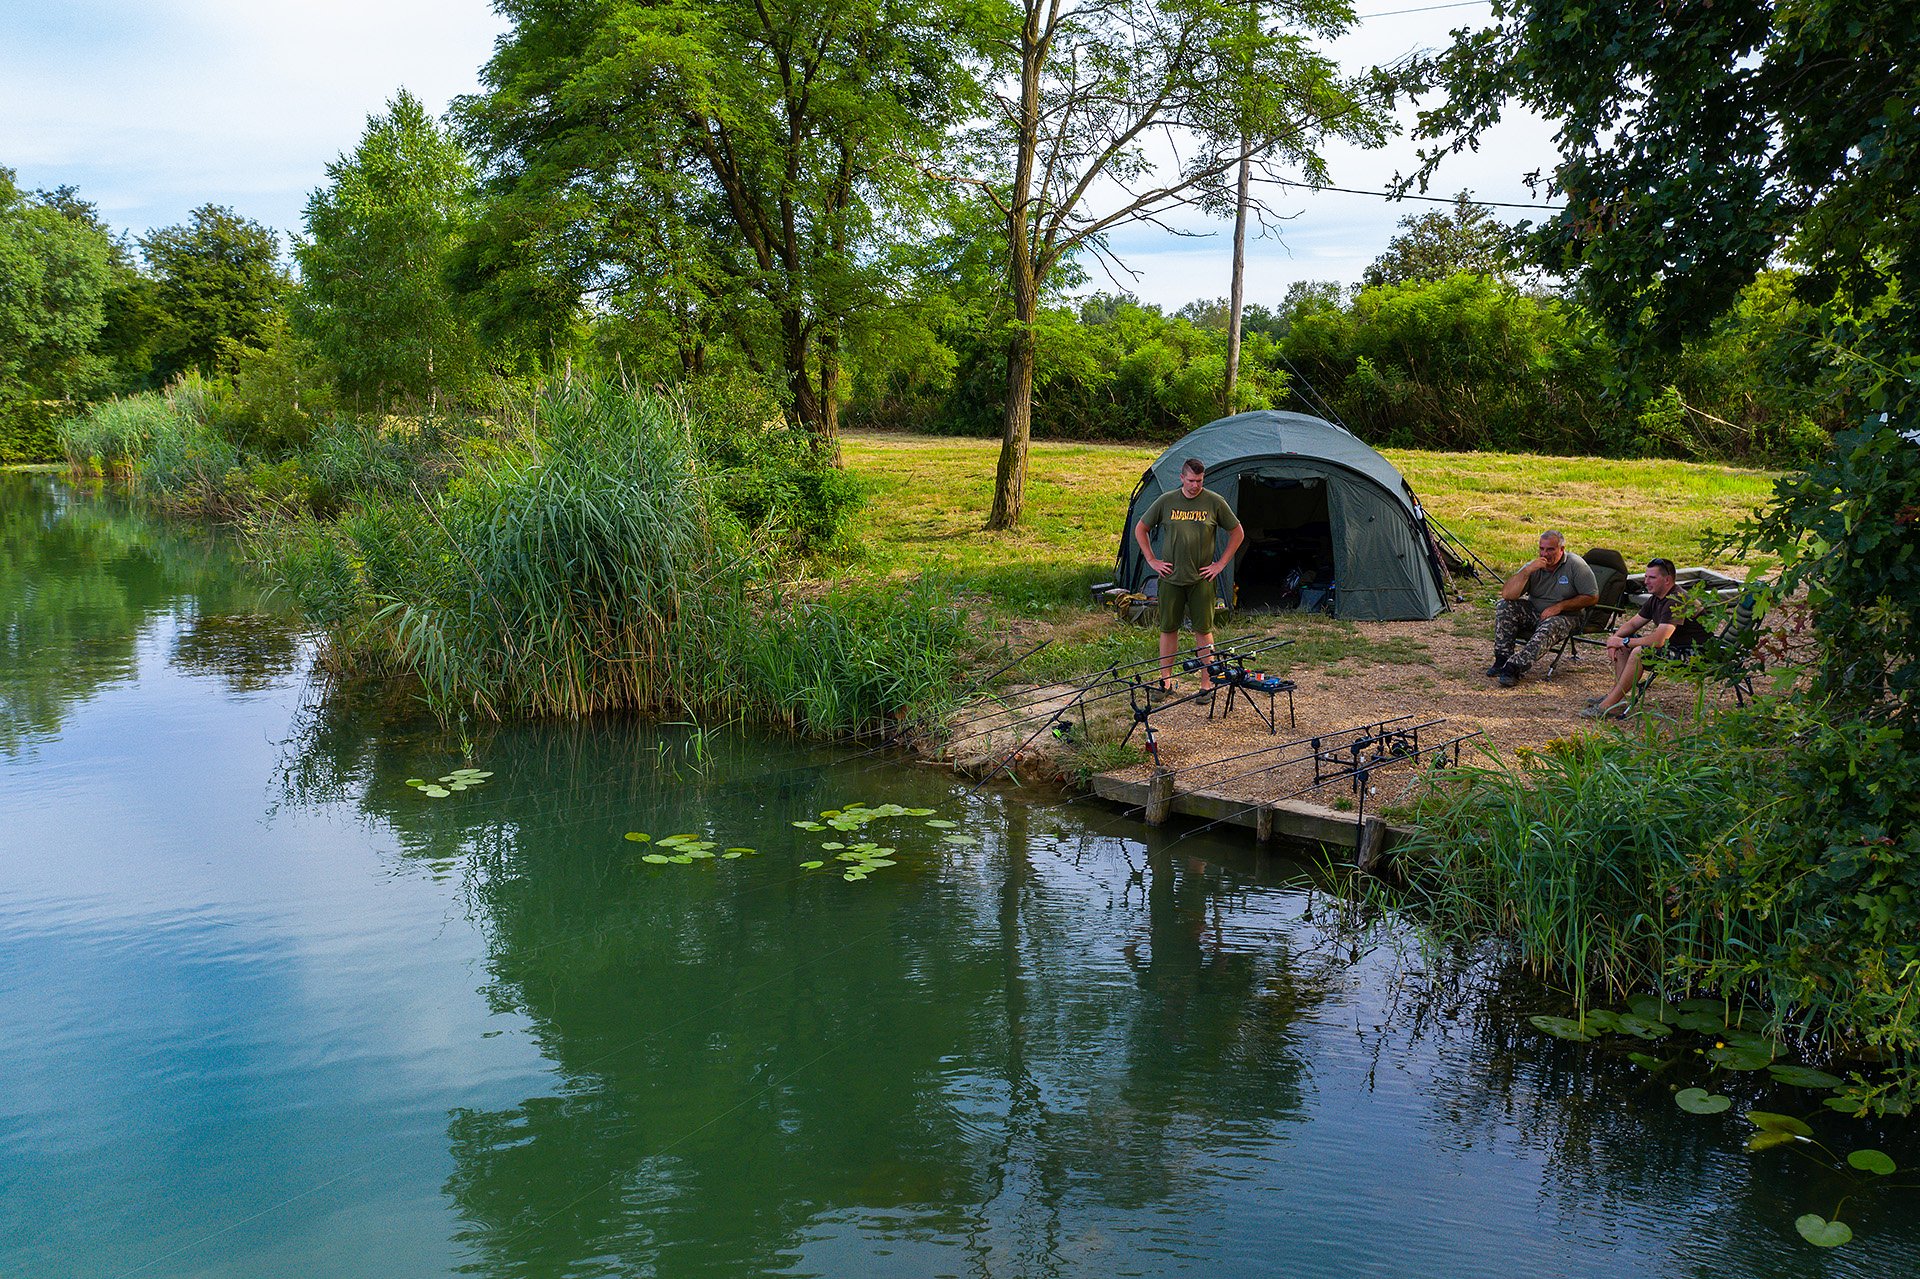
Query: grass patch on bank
x,y
929,498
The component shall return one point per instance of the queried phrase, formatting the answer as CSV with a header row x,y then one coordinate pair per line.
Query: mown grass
x,y
930,496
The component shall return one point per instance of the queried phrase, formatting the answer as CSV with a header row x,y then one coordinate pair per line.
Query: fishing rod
x,y
1434,749
1189,659
1315,739
1142,715
1366,734
1454,542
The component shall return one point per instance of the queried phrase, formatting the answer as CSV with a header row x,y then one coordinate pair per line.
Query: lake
x,y
269,1010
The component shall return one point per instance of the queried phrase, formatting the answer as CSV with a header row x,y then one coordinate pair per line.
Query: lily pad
x,y
959,841
1562,1028
854,876
916,812
416,781
1698,1101
731,856
1768,1140
939,823
809,825
638,836
658,859
1804,1077
1768,1121
437,792
1641,1027
811,865
1603,1020
1651,1006
1741,1058
1872,1161
1820,1232
1649,1061
741,852
681,859
1700,1022
833,844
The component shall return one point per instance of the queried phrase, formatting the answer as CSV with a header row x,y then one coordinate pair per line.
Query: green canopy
x,y
1329,522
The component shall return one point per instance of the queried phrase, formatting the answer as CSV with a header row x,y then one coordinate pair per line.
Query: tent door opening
x,y
1288,559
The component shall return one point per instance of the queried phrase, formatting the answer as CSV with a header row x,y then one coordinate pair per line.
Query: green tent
x,y
1329,522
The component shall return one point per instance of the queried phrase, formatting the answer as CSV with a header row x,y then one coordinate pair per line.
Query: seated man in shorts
x,y
1664,621
1193,517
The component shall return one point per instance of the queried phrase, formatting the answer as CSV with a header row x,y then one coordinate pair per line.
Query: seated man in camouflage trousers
x,y
1539,606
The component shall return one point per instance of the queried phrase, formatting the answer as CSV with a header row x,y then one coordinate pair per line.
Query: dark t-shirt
x,y
1674,608
1191,524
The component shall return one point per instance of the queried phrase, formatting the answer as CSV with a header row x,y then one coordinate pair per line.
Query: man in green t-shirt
x,y
1192,517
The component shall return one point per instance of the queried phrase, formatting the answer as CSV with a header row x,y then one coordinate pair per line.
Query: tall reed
x,y
586,562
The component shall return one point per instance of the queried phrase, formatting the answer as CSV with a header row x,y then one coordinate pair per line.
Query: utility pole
x,y
1238,291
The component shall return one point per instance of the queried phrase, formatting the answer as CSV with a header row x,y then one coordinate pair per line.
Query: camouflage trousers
x,y
1517,620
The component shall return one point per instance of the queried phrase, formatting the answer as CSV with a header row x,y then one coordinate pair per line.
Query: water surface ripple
x,y
269,1011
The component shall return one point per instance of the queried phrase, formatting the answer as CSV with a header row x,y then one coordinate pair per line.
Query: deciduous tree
x,y
740,155
376,301
1119,112
217,280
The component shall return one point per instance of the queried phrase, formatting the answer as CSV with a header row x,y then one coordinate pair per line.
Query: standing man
x,y
1539,605
1664,620
1192,516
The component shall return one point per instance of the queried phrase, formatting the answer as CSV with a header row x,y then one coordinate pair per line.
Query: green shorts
x,y
1194,602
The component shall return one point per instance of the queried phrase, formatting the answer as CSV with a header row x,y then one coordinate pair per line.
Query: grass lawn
x,y
930,496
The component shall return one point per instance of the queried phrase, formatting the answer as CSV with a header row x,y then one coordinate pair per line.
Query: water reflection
x,y
758,1065
82,578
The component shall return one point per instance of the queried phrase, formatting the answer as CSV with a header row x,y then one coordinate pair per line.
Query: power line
x,y
1430,199
1432,8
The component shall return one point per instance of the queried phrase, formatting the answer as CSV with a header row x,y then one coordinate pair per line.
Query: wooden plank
x,y
1291,819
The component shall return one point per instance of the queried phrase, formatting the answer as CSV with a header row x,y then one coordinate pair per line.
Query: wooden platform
x,y
1291,820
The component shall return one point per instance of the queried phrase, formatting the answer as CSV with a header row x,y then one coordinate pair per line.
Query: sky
x,y
156,107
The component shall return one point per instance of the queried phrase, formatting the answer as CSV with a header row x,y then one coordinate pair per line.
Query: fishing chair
x,y
1598,619
1731,656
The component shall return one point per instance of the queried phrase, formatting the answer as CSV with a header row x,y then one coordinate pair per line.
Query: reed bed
x,y
1707,860
583,560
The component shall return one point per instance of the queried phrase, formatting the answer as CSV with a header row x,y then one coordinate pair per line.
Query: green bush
x,y
113,434
1768,856
775,478
29,430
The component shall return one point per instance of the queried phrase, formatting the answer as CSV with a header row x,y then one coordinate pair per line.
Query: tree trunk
x,y
806,405
1239,290
829,436
1025,267
1010,480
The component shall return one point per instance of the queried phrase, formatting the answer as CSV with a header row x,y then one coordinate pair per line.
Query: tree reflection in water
x,y
83,578
979,1051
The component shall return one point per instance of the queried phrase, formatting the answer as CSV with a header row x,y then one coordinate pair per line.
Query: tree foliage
x,y
1433,246
1703,140
1090,89
375,301
730,165
218,285
54,278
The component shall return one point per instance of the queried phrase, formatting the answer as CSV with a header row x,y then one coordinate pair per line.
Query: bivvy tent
x,y
1328,521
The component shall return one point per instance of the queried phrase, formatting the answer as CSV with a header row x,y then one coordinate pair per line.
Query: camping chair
x,y
1730,656
1596,619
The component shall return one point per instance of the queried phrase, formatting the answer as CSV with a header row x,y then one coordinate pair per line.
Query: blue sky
x,y
155,108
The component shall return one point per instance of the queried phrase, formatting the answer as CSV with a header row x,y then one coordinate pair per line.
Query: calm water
x,y
267,1011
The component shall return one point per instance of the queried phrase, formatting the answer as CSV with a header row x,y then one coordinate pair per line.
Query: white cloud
x,y
155,108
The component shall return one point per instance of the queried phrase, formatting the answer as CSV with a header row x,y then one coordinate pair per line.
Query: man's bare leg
x,y
1629,673
1203,649
1169,642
